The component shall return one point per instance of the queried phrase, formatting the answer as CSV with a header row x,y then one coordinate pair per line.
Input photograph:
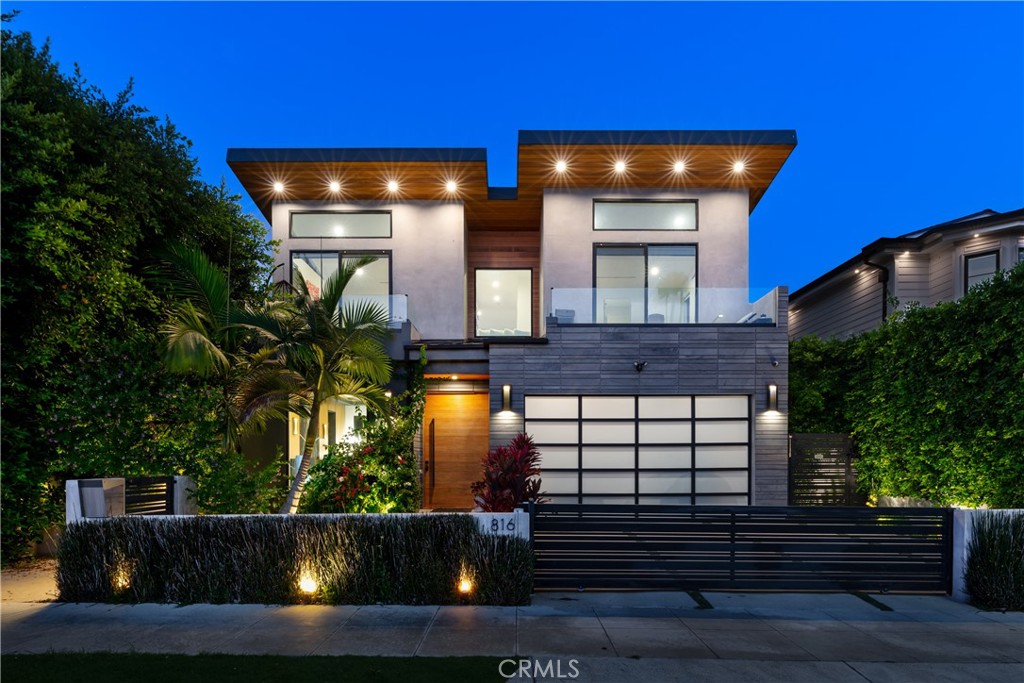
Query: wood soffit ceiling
x,y
422,174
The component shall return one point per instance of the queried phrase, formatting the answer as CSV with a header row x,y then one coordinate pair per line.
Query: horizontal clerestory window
x,y
613,214
340,224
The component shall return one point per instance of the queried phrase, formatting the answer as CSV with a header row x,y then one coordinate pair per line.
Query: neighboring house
x,y
601,305
926,266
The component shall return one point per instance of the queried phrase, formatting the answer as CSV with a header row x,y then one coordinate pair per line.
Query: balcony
x,y
691,306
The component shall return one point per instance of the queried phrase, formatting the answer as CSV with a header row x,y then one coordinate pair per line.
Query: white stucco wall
x,y
428,256
568,236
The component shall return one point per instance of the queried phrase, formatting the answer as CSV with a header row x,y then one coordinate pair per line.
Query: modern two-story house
x,y
926,266
602,304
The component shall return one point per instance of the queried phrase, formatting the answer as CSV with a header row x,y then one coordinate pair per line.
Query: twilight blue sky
x,y
906,114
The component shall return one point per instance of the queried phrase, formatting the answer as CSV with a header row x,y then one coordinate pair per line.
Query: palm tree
x,y
332,350
289,354
205,333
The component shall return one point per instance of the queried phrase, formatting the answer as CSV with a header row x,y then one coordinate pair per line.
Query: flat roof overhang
x,y
590,156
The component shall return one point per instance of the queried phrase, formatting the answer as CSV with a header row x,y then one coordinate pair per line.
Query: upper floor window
x,y
652,283
340,224
504,302
980,268
371,283
612,214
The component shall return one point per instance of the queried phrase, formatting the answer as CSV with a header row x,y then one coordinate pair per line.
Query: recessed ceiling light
x,y
335,186
392,186
739,167
278,186
856,271
455,378
561,166
497,299
977,234
679,166
495,283
620,166
655,270
906,253
451,186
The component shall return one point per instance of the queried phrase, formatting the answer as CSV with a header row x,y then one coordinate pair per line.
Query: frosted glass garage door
x,y
655,450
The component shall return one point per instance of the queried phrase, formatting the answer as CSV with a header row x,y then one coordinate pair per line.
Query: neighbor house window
x,y
645,283
340,224
1020,254
980,268
504,302
371,283
611,214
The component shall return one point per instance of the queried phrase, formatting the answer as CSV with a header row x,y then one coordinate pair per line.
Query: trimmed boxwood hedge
x,y
354,559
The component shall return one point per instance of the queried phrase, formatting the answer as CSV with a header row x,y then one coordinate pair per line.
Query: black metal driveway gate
x,y
650,547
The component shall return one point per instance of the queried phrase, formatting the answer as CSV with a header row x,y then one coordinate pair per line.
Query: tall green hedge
x,y
934,397
400,559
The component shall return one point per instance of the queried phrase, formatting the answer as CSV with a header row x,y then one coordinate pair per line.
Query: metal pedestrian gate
x,y
649,547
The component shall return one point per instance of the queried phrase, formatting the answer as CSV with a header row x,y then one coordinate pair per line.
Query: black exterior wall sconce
x,y
773,397
506,397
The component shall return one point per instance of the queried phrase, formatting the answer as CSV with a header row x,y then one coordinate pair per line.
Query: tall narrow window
x,y
311,269
371,283
504,302
980,268
645,284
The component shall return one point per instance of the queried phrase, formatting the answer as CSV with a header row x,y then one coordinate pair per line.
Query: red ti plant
x,y
511,476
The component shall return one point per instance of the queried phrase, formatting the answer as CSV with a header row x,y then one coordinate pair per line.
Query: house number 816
x,y
498,525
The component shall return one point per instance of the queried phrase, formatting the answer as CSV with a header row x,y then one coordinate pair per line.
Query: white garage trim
x,y
656,450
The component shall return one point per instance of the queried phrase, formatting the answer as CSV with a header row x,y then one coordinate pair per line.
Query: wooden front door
x,y
455,435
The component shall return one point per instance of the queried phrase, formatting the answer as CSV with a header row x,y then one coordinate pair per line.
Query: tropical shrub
x,y
375,468
350,559
994,574
511,476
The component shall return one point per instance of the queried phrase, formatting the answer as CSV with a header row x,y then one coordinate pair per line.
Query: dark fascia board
x,y
657,137
355,154
915,243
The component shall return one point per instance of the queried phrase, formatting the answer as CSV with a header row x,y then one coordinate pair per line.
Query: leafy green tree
x,y
90,190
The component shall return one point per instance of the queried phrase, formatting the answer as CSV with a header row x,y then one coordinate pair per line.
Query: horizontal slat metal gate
x,y
648,547
149,496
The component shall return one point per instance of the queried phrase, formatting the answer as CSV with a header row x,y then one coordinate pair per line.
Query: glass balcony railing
x,y
397,306
705,306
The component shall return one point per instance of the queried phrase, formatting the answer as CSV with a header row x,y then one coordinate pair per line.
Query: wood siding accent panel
x,y
590,166
510,249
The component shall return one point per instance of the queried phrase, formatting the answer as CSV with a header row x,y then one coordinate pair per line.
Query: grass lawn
x,y
103,667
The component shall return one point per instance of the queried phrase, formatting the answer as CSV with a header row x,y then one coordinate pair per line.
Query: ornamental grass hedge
x,y
268,559
994,573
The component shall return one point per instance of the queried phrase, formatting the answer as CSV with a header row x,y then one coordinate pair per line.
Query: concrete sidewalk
x,y
649,637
